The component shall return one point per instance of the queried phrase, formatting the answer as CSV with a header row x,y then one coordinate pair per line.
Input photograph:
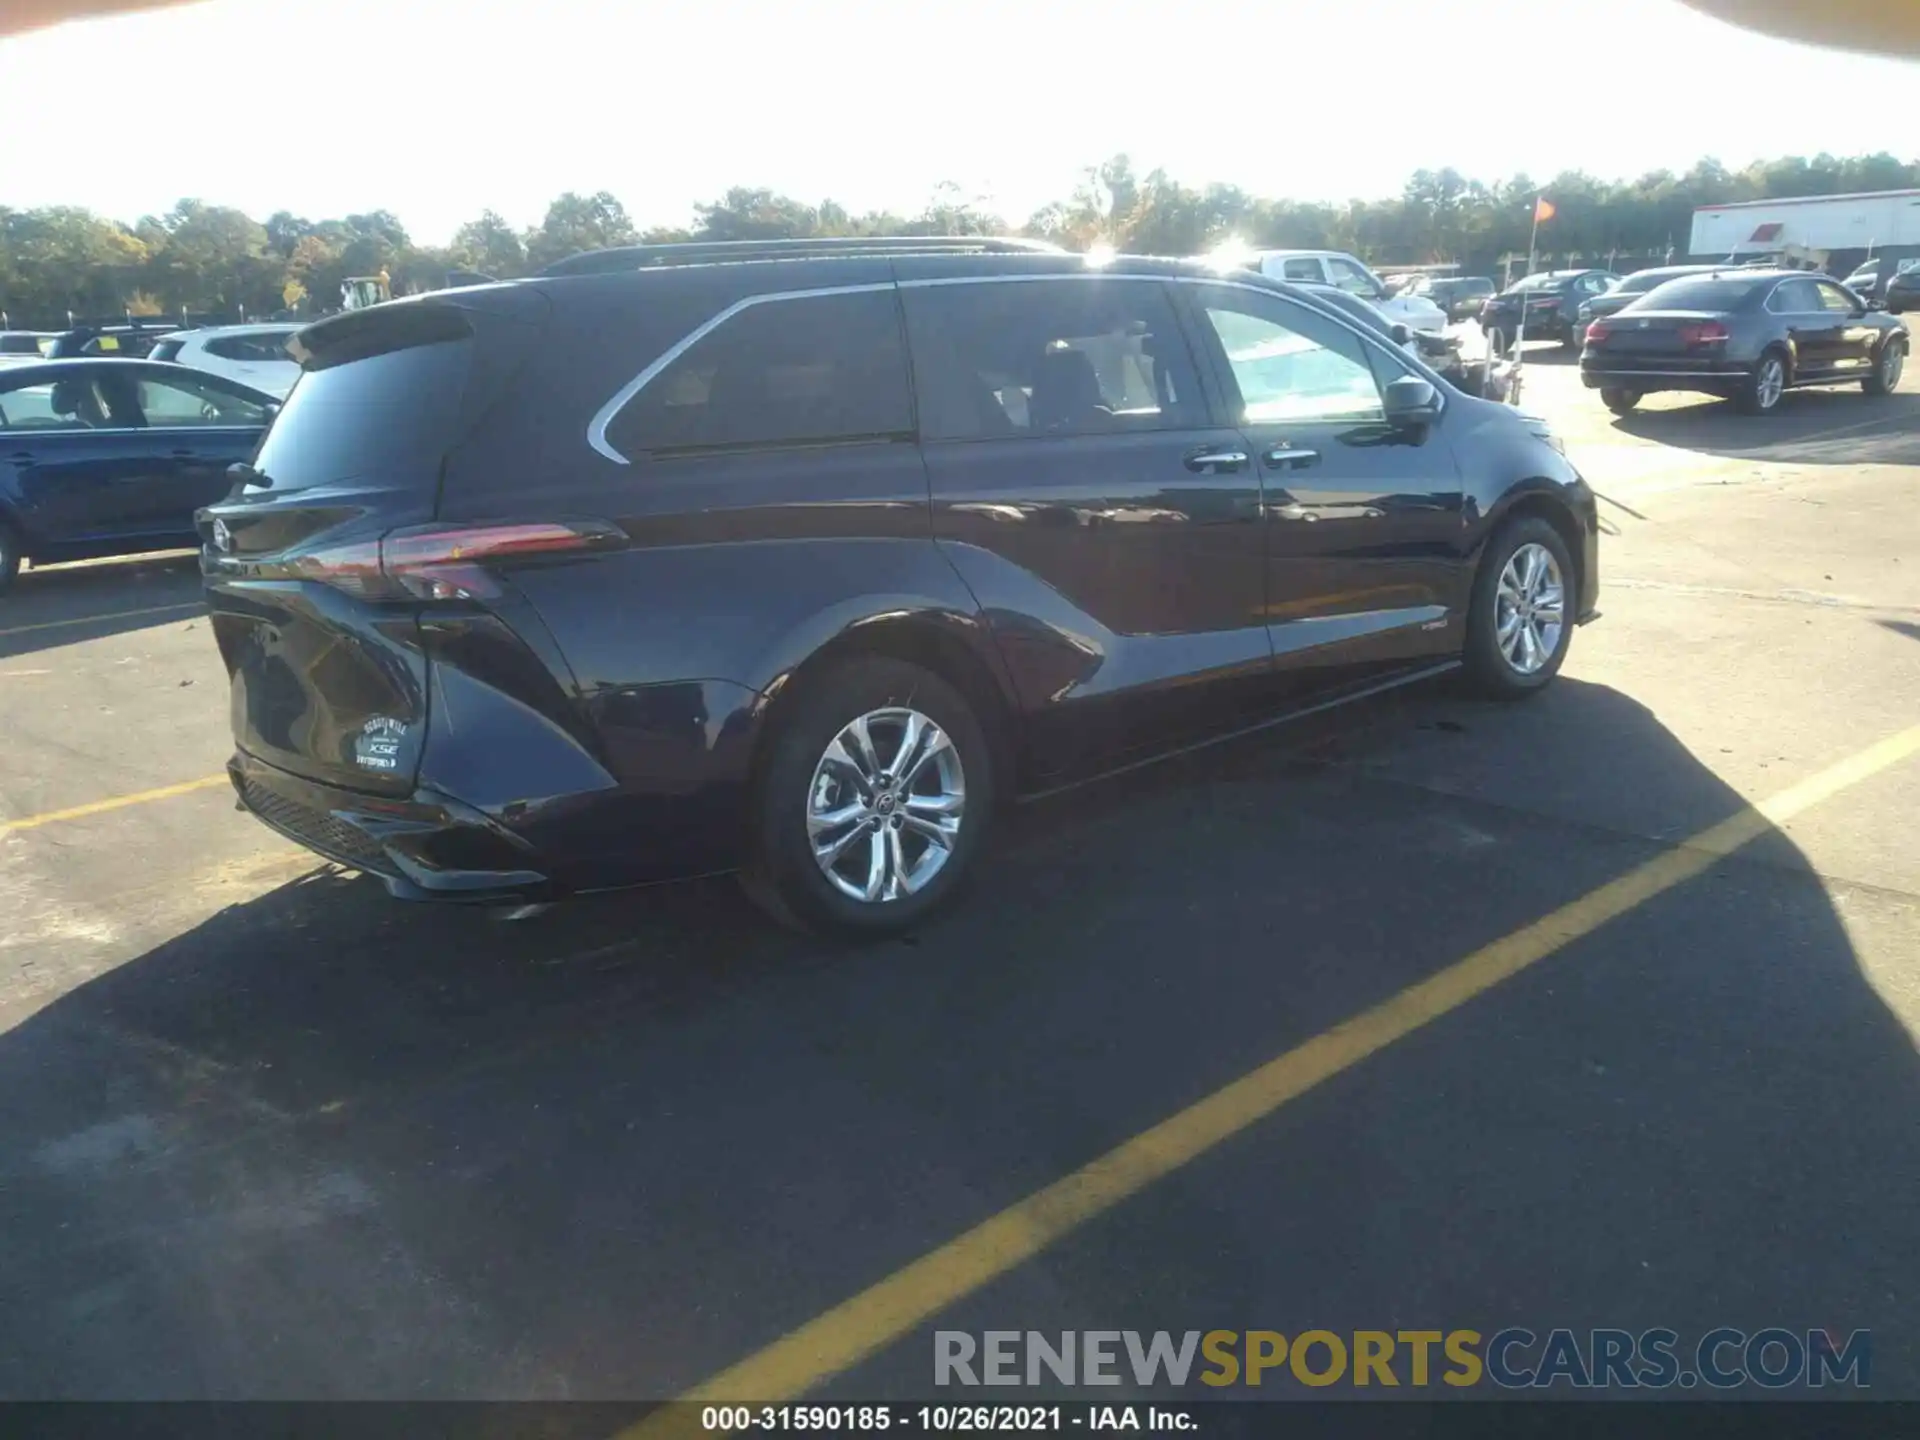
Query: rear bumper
x,y
1660,372
426,847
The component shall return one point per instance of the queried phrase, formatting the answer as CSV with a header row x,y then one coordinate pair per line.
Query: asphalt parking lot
x,y
265,1133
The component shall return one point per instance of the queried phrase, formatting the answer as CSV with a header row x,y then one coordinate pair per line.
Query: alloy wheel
x,y
1530,609
886,804
1770,383
1892,362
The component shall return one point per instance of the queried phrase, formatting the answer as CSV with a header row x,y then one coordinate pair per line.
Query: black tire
x,y
1887,366
1620,402
9,556
1489,672
782,875
1496,340
1751,397
1575,336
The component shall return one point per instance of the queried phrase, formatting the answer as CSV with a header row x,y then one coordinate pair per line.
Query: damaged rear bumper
x,y
428,846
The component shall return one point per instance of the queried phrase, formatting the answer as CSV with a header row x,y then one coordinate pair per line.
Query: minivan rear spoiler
x,y
358,334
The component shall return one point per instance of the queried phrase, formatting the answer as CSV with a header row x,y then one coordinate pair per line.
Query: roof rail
x,y
706,252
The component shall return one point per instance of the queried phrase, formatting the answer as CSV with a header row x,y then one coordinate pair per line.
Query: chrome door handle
x,y
1210,460
1283,457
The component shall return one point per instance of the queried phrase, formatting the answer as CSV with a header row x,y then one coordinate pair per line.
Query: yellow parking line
x,y
887,1311
117,802
96,619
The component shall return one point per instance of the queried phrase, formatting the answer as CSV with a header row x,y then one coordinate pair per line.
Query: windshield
x,y
387,416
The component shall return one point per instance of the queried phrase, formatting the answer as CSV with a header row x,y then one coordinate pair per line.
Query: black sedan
x,y
1612,302
1551,304
112,457
1748,335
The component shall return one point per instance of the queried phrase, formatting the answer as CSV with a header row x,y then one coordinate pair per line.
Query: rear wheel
x,y
1496,340
1574,335
1888,367
1521,619
9,556
1761,393
873,802
1620,402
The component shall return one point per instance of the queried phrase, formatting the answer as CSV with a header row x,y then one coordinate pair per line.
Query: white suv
x,y
1336,267
255,355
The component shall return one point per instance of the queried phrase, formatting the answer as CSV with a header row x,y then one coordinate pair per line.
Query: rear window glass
x,y
1540,282
1703,293
391,416
790,372
167,350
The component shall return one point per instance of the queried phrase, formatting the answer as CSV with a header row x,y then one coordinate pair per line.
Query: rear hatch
x,y
329,677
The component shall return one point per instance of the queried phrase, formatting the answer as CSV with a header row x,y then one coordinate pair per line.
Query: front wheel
x,y
1888,368
873,802
1620,402
1520,621
1761,393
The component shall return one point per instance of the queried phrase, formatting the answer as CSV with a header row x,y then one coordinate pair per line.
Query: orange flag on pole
x,y
1542,209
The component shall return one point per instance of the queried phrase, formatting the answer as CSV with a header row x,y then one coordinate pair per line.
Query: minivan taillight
x,y
1706,332
445,563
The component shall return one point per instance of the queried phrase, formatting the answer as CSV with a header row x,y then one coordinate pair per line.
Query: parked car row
x,y
18,347
1893,283
254,354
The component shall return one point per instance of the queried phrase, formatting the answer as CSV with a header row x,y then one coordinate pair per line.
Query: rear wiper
x,y
243,474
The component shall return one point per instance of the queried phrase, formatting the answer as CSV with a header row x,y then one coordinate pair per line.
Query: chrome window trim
x,y
604,417
597,428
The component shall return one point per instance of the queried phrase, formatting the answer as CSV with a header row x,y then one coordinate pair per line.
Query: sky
x,y
438,109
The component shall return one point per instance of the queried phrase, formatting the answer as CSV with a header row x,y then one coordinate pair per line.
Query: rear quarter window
x,y
1709,293
810,370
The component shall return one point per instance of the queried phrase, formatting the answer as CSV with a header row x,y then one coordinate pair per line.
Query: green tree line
x,y
212,259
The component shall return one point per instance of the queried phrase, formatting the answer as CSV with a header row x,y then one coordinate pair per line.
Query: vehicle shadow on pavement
x,y
58,606
326,1145
1810,427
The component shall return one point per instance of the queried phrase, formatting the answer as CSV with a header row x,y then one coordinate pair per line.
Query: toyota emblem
x,y
222,537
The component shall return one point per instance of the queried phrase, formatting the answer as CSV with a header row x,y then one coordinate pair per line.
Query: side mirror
x,y
1411,403
1401,334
